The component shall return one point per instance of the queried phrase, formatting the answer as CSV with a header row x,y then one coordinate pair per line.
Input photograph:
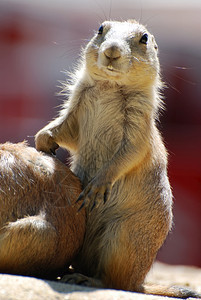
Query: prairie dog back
x,y
40,230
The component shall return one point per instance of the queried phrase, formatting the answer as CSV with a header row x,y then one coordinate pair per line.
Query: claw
x,y
81,196
55,146
93,206
106,195
81,206
53,152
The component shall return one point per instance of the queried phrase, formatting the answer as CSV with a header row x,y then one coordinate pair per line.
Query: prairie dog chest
x,y
101,114
100,119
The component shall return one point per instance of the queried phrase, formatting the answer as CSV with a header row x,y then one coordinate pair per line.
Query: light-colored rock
x,y
189,277
27,288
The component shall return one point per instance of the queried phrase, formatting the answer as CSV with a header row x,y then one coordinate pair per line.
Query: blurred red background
x,y
38,41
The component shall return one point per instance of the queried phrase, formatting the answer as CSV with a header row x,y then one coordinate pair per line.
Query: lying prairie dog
x,y
40,229
109,126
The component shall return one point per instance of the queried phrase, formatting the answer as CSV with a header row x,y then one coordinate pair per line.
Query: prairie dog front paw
x,y
44,142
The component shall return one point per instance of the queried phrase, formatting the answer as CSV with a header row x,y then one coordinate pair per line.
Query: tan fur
x,y
40,230
109,125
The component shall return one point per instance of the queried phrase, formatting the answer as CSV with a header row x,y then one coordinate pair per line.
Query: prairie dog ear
x,y
132,21
154,42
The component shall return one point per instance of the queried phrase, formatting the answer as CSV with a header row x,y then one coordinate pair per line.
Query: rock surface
x,y
27,288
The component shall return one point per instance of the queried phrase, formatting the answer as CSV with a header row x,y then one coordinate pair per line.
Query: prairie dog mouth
x,y
112,69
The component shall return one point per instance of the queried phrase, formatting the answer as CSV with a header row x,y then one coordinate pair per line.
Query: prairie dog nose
x,y
112,52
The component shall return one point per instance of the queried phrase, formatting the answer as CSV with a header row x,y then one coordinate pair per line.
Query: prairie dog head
x,y
123,52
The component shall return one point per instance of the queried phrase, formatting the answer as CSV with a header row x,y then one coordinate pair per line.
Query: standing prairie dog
x,y
109,126
40,230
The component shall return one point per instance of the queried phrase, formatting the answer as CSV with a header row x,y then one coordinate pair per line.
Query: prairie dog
x,y
109,126
40,230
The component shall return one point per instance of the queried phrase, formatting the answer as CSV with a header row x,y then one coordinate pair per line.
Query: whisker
x,y
141,9
173,74
110,10
102,10
184,80
182,68
150,18
172,86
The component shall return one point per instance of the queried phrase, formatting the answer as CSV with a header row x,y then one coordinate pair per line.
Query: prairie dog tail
x,y
172,291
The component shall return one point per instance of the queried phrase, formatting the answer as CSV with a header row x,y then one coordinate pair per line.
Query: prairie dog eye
x,y
100,30
144,39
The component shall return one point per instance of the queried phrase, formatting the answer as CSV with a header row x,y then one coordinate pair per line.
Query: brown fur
x,y
109,125
40,230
